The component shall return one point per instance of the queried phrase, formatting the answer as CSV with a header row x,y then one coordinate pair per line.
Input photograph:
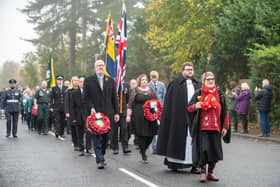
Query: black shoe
x,y
7,136
45,133
15,136
115,152
81,154
56,135
144,157
195,170
100,165
126,151
89,152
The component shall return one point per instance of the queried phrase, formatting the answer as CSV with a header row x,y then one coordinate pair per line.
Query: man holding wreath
x,y
100,96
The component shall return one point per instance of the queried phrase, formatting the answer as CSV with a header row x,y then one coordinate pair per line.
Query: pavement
x,y
38,160
255,136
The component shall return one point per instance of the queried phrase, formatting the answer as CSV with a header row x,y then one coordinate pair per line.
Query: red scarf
x,y
209,100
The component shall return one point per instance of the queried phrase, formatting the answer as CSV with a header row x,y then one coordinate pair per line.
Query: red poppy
x,y
150,116
98,123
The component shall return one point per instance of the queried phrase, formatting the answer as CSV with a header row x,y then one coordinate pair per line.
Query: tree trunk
x,y
72,50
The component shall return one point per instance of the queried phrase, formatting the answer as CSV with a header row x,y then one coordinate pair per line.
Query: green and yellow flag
x,y
50,77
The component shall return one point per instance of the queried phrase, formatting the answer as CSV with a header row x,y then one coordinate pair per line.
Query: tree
x,y
265,64
30,71
182,30
8,71
241,24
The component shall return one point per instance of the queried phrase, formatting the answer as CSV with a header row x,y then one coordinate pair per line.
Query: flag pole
x,y
121,98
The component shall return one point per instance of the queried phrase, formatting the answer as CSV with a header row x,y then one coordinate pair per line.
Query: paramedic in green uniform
x,y
42,103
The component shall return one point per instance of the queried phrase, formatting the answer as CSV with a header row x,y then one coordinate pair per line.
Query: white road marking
x,y
148,183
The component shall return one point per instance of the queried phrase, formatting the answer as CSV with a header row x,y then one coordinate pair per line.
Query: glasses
x,y
210,79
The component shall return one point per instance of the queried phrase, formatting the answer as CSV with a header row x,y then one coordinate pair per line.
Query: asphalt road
x,y
37,160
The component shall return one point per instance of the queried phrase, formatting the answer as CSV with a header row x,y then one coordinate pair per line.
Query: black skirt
x,y
211,146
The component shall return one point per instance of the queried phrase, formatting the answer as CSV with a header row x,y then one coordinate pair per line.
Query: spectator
x,y
242,105
264,97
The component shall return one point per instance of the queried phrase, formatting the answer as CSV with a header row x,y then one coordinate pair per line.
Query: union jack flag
x,y
121,54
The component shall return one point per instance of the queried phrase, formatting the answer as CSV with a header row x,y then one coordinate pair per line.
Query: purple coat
x,y
243,101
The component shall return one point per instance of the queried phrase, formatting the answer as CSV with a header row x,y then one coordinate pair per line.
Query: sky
x,y
14,27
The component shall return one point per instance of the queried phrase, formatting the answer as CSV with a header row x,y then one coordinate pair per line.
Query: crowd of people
x,y
194,118
239,103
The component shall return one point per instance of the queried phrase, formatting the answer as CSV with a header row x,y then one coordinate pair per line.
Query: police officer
x,y
42,103
57,106
11,102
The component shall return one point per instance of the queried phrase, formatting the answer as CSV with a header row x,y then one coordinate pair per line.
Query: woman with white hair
x,y
211,124
264,97
242,106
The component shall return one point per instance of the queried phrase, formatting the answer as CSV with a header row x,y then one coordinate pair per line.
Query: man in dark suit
x,y
57,106
100,96
78,117
122,125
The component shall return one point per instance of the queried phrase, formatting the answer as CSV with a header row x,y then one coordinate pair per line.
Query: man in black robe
x,y
175,124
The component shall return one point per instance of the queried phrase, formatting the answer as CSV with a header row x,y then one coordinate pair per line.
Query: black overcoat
x,y
175,120
68,106
104,101
78,105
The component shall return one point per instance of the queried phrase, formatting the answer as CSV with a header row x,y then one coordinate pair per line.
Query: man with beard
x,y
174,140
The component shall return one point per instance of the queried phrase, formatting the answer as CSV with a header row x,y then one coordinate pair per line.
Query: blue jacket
x,y
160,90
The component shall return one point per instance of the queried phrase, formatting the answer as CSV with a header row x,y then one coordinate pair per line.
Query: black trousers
x,y
88,139
50,120
244,118
12,116
80,137
74,135
122,125
34,122
233,118
59,122
144,142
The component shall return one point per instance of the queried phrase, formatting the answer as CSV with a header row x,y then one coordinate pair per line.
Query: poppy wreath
x,y
98,123
151,114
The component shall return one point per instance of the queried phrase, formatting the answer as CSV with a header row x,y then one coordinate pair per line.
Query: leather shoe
x,y
81,154
100,165
89,152
15,136
115,152
7,136
211,177
202,177
195,170
126,151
